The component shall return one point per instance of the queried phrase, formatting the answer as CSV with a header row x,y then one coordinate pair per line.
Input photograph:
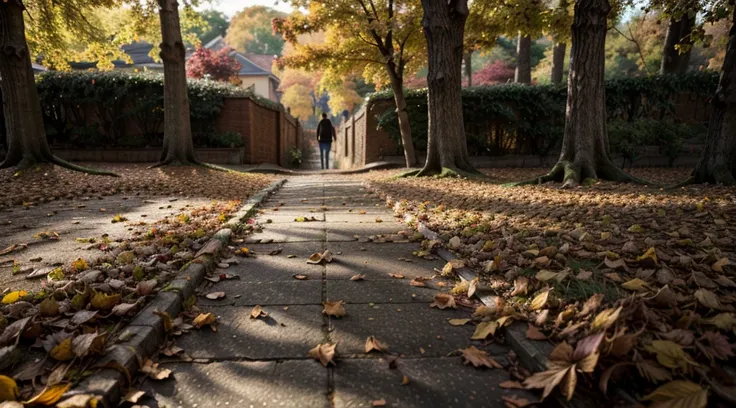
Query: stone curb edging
x,y
145,334
532,354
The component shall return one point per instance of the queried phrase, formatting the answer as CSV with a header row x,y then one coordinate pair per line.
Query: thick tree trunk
x,y
585,152
178,146
558,62
718,162
523,74
397,85
443,25
678,33
25,132
468,59
24,123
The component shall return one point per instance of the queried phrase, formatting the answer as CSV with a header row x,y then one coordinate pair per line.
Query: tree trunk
x,y
585,152
443,25
178,146
468,58
718,161
25,132
558,62
397,85
678,33
523,73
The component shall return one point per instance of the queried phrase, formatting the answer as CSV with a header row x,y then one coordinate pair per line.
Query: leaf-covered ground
x,y
50,183
634,284
84,254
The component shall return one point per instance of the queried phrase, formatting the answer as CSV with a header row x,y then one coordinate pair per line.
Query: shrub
x,y
522,119
72,102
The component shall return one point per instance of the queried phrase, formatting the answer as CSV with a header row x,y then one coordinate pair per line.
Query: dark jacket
x,y
325,131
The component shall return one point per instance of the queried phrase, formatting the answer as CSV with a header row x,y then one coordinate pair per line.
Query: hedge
x,y
89,109
523,119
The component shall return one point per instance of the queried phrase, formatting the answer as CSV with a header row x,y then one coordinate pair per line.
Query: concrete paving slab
x,y
406,329
433,382
263,267
378,291
337,232
376,261
293,292
303,232
283,334
290,384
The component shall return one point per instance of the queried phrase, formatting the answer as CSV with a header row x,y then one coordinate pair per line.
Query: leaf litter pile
x,y
49,183
51,339
634,285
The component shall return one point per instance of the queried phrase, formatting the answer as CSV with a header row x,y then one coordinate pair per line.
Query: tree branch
x,y
636,43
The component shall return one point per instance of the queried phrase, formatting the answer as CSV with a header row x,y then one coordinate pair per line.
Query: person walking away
x,y
325,135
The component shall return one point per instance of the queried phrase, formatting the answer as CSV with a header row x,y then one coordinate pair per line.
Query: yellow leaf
x,y
678,394
49,395
540,300
484,329
636,228
651,254
708,299
606,319
718,266
13,297
104,301
49,307
204,319
79,265
458,322
636,284
724,321
8,389
63,350
545,275
670,354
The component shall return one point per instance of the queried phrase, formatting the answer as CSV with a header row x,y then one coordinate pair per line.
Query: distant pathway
x,y
264,363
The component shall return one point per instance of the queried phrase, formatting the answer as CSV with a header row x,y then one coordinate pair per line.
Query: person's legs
x,y
322,155
328,147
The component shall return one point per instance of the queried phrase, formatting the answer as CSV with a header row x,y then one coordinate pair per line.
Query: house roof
x,y
137,51
264,61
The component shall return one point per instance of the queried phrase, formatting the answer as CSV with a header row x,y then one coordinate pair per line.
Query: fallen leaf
x,y
63,350
153,371
133,396
718,265
378,403
533,333
104,301
513,401
146,287
606,319
168,322
678,393
80,401
396,275
540,300
49,396
372,343
301,277
472,287
358,277
443,301
257,312
479,358
592,304
215,295
8,389
708,299
324,353
13,297
417,283
511,385
49,307
458,322
635,284
85,344
484,329
204,319
335,308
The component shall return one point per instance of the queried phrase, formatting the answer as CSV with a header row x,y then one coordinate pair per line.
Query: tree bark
x,y
443,24
178,146
718,161
25,132
523,74
558,62
468,58
678,33
397,85
585,152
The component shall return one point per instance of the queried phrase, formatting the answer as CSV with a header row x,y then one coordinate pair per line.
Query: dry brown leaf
x,y
324,353
358,277
540,300
204,319
511,385
708,299
378,403
678,394
606,319
473,286
533,333
521,286
479,358
257,312
592,304
396,275
372,343
443,301
153,371
417,283
63,351
458,322
335,308
718,265
483,311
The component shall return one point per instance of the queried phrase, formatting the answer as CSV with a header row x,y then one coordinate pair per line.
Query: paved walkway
x,y
264,363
